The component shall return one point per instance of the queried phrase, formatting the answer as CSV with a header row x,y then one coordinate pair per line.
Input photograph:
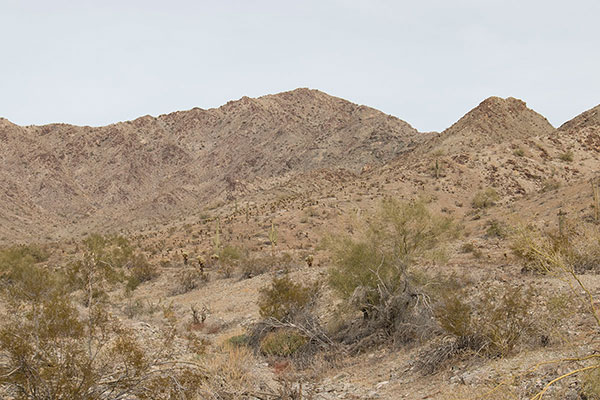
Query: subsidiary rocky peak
x,y
587,119
495,120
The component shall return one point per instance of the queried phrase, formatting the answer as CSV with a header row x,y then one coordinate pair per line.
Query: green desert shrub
x,y
238,340
494,322
140,271
21,276
187,280
107,260
284,299
53,352
396,236
231,255
30,254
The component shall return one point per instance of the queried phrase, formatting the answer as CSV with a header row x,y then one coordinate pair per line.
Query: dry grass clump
x,y
567,156
496,229
282,342
255,266
577,249
187,280
590,385
485,198
549,185
230,374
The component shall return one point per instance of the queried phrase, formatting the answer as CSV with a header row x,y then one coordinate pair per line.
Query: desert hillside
x,y
58,177
299,246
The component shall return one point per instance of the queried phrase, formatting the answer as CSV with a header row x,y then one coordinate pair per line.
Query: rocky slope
x,y
585,128
154,168
495,120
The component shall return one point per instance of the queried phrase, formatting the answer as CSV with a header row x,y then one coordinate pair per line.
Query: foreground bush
x,y
21,254
51,348
51,351
496,321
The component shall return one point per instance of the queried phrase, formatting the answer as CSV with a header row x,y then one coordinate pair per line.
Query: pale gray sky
x,y
427,62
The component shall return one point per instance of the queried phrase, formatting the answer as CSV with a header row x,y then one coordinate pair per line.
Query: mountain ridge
x,y
179,160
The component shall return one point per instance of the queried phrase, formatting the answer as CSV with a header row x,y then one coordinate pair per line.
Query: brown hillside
x,y
585,129
151,168
589,118
493,121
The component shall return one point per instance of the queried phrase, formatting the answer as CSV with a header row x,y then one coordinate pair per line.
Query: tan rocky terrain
x,y
306,165
79,178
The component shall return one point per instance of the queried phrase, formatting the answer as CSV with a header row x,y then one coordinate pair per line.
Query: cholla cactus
x,y
217,239
561,222
309,260
273,238
596,190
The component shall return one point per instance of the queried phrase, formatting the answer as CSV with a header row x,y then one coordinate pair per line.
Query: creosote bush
x,y
107,261
284,299
498,320
21,254
51,350
140,271
494,322
562,255
187,280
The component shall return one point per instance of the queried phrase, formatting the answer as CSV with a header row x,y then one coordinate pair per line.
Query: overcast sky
x,y
427,62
